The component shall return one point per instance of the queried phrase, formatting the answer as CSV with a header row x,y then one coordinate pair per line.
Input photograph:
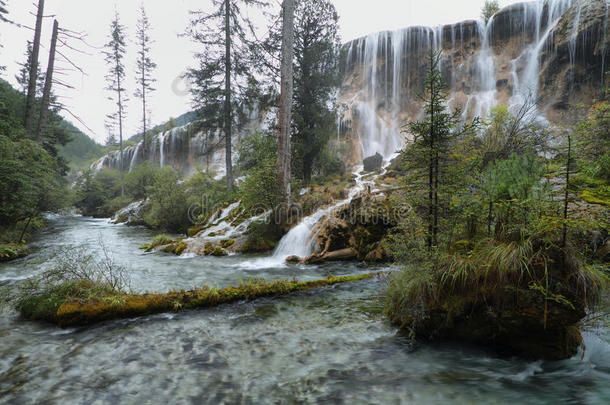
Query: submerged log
x,y
77,313
337,255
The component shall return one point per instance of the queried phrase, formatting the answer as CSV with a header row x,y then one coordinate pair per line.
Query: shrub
x,y
76,276
169,209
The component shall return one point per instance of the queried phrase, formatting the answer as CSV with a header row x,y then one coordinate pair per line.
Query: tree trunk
x,y
122,168
227,110
565,197
285,107
46,95
144,141
31,98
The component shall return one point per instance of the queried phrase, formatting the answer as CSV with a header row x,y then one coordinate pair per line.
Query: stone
x,y
373,163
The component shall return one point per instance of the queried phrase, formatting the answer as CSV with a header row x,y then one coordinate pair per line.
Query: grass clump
x,y
77,276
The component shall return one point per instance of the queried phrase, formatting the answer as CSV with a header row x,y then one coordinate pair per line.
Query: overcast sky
x,y
173,54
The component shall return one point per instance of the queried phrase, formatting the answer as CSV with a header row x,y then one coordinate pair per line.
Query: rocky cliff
x,y
554,50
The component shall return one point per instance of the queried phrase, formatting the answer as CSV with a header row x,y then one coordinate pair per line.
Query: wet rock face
x,y
555,50
357,231
373,163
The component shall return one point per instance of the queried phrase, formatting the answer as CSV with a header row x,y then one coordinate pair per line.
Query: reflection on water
x,y
325,346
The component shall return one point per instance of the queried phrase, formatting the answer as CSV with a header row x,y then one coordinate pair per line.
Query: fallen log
x,y
78,313
337,255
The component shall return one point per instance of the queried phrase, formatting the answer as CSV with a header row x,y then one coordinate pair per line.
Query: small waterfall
x,y
301,240
134,158
527,84
162,149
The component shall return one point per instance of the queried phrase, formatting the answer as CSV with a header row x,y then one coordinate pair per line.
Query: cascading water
x,y
383,71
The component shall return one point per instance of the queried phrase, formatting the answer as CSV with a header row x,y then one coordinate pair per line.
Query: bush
x,y
261,191
139,181
206,195
169,209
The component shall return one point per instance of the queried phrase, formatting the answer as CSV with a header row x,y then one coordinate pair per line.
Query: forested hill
x,y
77,152
81,150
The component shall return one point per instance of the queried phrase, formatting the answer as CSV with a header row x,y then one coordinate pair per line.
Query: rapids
x,y
324,346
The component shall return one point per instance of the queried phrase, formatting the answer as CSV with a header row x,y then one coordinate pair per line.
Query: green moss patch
x,y
87,312
12,251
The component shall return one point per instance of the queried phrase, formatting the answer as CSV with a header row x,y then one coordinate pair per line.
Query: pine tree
x,y
47,95
431,143
226,67
114,55
316,79
144,68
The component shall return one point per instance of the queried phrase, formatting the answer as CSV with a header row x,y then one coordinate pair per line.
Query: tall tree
x,y
114,55
316,80
226,67
31,97
432,138
46,94
286,92
144,68
3,13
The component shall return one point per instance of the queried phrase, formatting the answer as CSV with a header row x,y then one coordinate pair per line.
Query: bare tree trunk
x,y
144,141
227,110
285,112
31,98
121,166
46,95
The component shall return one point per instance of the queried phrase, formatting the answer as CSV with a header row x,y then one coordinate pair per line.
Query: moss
x,y
80,313
145,247
161,240
12,251
227,243
218,251
599,195
208,249
195,230
180,248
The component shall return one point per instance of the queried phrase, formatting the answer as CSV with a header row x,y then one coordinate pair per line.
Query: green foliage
x,y
206,195
139,180
29,180
260,191
81,149
168,197
316,79
256,148
490,8
96,193
76,276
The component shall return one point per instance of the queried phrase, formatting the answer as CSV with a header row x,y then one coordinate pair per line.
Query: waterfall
x,y
301,240
162,149
134,158
526,85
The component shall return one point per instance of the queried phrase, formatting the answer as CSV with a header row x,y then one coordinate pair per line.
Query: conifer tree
x,y
226,67
114,54
144,68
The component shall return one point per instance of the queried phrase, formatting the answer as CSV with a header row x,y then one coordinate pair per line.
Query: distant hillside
x,y
180,121
81,150
77,152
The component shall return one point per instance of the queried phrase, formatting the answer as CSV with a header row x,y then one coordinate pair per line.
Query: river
x,y
329,346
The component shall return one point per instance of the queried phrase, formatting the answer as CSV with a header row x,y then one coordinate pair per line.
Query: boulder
x,y
293,260
373,163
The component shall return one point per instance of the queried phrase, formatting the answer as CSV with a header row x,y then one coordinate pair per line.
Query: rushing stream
x,y
323,346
